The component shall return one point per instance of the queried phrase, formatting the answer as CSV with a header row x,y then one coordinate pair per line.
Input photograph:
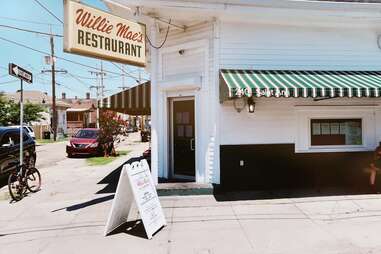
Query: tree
x,y
112,127
10,112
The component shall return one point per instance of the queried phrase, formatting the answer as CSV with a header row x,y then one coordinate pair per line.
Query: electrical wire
x,y
8,82
58,57
30,31
128,74
165,39
29,21
51,13
79,80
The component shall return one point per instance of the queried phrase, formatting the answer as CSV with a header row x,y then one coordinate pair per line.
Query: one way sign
x,y
20,73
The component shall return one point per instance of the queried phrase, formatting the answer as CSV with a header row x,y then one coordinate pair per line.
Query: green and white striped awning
x,y
278,83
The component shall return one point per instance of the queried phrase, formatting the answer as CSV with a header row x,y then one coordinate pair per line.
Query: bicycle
x,y
23,178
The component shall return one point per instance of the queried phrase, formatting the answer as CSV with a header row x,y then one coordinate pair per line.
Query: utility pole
x,y
123,87
53,71
99,88
54,119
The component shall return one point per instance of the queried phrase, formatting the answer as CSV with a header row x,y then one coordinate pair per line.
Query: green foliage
x,y
10,112
112,127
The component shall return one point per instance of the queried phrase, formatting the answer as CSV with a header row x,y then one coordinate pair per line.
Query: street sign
x,y
20,73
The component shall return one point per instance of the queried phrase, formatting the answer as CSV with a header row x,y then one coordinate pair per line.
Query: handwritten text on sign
x,y
135,183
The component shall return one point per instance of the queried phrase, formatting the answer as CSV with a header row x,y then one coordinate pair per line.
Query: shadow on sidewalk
x,y
111,180
3,180
85,204
134,228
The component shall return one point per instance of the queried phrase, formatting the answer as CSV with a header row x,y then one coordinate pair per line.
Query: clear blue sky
x,y
28,14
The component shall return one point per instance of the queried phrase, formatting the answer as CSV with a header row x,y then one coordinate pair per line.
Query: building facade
x,y
309,69
43,99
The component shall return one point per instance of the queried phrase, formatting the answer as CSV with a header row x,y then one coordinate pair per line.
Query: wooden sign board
x,y
92,32
136,183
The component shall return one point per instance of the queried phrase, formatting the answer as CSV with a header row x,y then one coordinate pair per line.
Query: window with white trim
x,y
336,132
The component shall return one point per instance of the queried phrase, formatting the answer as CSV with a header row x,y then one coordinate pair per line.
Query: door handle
x,y
192,144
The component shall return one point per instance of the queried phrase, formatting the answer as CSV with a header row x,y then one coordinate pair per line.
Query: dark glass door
x,y
183,138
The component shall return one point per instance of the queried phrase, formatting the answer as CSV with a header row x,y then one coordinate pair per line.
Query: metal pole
x,y
97,87
54,118
21,124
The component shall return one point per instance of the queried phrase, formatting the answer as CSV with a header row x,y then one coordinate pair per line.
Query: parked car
x,y
28,129
10,148
84,142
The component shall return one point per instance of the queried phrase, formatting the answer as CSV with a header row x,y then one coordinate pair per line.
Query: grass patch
x,y
99,161
49,141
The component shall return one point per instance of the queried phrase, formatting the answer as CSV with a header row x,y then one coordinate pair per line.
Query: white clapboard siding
x,y
265,46
190,62
275,119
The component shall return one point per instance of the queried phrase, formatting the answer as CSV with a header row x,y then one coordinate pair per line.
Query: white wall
x,y
301,47
189,74
264,46
284,120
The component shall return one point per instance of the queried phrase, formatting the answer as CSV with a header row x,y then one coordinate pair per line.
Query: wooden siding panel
x,y
297,47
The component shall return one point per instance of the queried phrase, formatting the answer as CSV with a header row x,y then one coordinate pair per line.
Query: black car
x,y
10,148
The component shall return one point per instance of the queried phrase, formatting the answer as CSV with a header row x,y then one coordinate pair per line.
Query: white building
x,y
285,54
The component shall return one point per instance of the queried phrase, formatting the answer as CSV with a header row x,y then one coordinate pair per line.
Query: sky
x,y
27,14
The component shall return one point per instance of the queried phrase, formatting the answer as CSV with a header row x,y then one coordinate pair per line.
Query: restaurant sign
x,y
95,33
136,185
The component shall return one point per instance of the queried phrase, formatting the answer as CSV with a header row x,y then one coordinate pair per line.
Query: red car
x,y
85,141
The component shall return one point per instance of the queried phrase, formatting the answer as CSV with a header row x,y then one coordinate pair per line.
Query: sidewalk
x,y
200,224
69,214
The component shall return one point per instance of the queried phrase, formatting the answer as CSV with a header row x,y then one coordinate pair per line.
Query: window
x,y
333,132
15,136
7,140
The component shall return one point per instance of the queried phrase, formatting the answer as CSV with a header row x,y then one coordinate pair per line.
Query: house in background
x,y
42,98
81,114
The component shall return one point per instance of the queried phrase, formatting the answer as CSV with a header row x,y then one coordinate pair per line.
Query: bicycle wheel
x,y
15,187
33,179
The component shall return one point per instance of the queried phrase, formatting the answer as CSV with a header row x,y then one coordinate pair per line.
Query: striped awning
x,y
133,101
278,83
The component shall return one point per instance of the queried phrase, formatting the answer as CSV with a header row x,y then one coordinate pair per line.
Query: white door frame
x,y
171,159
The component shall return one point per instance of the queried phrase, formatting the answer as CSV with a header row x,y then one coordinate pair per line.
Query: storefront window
x,y
325,132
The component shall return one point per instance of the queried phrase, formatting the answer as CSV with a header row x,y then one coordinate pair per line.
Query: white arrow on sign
x,y
16,70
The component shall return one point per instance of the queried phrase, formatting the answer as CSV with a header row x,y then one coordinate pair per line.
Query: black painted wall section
x,y
277,166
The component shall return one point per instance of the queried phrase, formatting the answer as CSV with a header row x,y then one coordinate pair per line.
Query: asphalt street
x,y
50,154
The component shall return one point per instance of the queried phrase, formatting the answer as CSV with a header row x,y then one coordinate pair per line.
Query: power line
x,y
8,82
58,57
30,31
128,74
68,60
29,21
25,46
51,13
79,80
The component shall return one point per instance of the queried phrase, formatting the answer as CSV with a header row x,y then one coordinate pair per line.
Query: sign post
x,y
27,76
136,183
21,123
